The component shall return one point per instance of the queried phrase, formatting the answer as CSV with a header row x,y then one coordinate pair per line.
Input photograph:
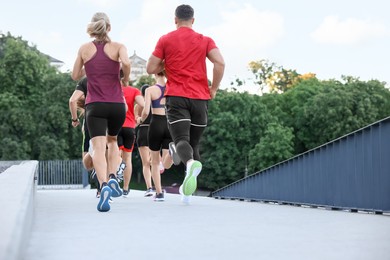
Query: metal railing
x,y
59,174
351,172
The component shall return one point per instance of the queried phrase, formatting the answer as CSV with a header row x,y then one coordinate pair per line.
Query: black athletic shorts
x,y
180,109
126,137
105,118
142,135
158,135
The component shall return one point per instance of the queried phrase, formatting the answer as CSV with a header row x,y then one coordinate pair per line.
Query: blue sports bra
x,y
157,103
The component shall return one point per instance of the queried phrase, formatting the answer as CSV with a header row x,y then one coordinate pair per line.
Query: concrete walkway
x,y
67,226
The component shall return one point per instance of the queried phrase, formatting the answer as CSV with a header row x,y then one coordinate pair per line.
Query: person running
x,y
77,102
182,53
126,135
100,61
158,134
143,146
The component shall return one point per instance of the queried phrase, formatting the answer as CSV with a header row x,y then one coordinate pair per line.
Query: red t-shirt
x,y
130,93
184,52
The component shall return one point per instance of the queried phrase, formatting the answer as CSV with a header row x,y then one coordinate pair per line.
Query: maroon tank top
x,y
103,78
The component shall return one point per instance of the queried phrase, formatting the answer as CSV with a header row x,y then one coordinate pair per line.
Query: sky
x,y
330,38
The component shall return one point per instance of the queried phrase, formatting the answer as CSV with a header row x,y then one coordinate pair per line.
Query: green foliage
x,y
34,109
235,120
320,111
276,145
145,79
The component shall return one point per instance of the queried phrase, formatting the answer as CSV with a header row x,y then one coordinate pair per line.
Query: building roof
x,y
137,59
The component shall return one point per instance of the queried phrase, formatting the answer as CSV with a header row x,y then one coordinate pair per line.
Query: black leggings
x,y
187,120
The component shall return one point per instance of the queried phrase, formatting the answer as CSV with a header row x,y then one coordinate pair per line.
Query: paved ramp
x,y
68,226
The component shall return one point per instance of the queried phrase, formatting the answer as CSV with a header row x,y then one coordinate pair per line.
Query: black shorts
x,y
142,135
126,137
105,118
158,135
181,109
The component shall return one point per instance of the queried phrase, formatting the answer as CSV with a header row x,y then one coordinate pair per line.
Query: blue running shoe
x,y
116,189
105,196
189,184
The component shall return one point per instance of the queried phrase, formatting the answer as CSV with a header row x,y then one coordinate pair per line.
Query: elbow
x,y
126,65
72,102
149,70
221,64
75,76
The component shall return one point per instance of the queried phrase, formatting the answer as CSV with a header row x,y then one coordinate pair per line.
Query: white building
x,y
138,67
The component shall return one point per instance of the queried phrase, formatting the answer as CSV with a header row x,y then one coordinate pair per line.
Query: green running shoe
x,y
190,183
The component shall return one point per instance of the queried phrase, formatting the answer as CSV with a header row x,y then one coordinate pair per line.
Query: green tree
x,y
276,145
268,75
33,103
235,120
145,79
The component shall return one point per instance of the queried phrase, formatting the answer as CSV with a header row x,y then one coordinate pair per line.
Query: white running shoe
x,y
184,198
119,172
149,192
190,183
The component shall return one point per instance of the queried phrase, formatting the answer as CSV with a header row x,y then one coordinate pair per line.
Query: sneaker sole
x,y
116,190
104,202
190,182
185,199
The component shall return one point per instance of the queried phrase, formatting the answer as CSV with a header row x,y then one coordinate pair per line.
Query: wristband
x,y
75,120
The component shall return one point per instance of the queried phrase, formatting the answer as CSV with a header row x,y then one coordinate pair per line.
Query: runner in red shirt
x,y
182,53
126,136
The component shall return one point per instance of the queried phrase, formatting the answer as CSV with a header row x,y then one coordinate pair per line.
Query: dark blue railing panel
x,y
350,172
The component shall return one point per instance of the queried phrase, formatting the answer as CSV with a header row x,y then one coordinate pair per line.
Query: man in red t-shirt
x,y
182,53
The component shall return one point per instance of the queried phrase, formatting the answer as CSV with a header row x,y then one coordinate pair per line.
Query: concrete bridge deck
x,y
64,224
68,226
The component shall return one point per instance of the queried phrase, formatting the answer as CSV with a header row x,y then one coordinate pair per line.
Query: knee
x,y
111,139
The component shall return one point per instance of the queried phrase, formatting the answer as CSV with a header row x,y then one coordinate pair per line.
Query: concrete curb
x,y
17,187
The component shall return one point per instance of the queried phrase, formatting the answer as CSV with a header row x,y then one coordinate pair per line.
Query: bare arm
x,y
124,58
140,101
146,110
155,65
216,58
78,67
77,94
137,113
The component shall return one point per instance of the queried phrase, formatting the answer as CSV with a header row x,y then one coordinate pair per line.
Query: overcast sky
x,y
327,37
